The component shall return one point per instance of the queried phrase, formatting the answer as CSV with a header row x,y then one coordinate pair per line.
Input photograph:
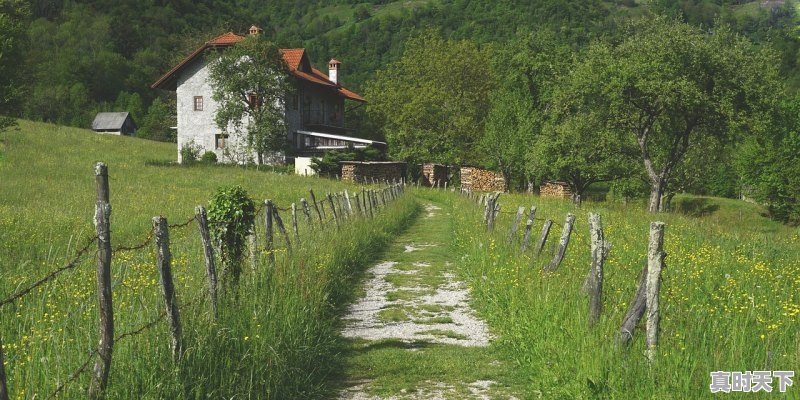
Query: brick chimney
x,y
254,30
333,70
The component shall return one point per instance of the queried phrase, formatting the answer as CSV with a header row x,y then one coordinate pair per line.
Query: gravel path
x,y
414,297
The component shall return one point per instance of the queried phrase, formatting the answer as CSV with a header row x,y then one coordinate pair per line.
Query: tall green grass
x,y
730,297
275,337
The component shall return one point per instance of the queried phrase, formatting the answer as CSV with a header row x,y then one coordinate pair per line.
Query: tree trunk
x,y
656,190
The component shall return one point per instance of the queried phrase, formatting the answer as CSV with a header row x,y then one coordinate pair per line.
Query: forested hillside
x,y
74,58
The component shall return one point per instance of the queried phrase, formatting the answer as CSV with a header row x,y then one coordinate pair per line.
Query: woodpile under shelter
x,y
481,180
433,174
114,123
369,171
556,189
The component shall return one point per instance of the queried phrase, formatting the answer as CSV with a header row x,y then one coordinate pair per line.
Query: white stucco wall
x,y
302,166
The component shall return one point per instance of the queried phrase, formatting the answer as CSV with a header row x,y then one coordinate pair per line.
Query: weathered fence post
x,y
347,202
294,224
333,210
282,229
102,223
314,201
635,310
307,212
595,286
253,248
543,237
515,226
3,381
528,226
208,251
562,244
268,230
164,264
655,262
358,204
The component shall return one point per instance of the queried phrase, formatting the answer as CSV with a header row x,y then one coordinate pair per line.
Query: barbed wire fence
x,y
342,207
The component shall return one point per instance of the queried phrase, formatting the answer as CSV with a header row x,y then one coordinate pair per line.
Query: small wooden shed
x,y
114,123
433,174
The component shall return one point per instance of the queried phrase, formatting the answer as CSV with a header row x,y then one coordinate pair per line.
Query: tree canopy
x,y
250,83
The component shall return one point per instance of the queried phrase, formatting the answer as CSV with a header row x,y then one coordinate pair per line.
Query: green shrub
x,y
209,157
190,152
231,214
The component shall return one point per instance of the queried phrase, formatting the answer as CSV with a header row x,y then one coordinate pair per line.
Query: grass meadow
x,y
276,333
730,296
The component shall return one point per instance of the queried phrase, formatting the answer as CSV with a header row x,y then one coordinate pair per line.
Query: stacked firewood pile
x,y
433,174
372,171
480,180
555,189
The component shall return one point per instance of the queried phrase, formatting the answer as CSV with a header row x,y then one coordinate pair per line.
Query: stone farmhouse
x,y
315,113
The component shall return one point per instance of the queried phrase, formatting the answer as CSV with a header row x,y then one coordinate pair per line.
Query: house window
x,y
198,103
253,100
221,140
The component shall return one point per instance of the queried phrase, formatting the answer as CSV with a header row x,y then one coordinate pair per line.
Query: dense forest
x,y
63,61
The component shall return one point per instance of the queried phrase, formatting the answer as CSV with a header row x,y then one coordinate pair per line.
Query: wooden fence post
x,y
306,212
595,286
357,203
347,202
208,251
543,237
562,244
314,201
528,227
102,223
333,210
655,262
294,224
282,229
3,381
164,264
253,248
268,230
515,226
635,310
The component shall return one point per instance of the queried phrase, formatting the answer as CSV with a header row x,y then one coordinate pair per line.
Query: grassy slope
x,y
729,297
273,341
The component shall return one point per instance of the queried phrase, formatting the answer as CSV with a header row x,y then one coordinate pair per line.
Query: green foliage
x,y
158,123
669,87
770,164
190,152
250,83
231,215
329,165
209,157
13,15
432,102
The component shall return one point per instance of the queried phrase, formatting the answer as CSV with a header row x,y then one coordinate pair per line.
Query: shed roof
x,y
109,120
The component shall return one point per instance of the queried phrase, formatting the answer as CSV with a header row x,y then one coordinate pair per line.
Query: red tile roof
x,y
293,58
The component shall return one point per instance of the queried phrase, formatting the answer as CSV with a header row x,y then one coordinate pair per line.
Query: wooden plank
x,y
562,244
595,286
655,263
515,225
528,227
543,237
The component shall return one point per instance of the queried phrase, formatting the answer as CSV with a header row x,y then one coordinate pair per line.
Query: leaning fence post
x,y
3,382
528,226
208,251
102,216
358,204
655,262
543,237
635,310
314,201
253,247
282,229
268,214
294,224
164,264
515,226
562,244
349,205
333,210
307,213
595,285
